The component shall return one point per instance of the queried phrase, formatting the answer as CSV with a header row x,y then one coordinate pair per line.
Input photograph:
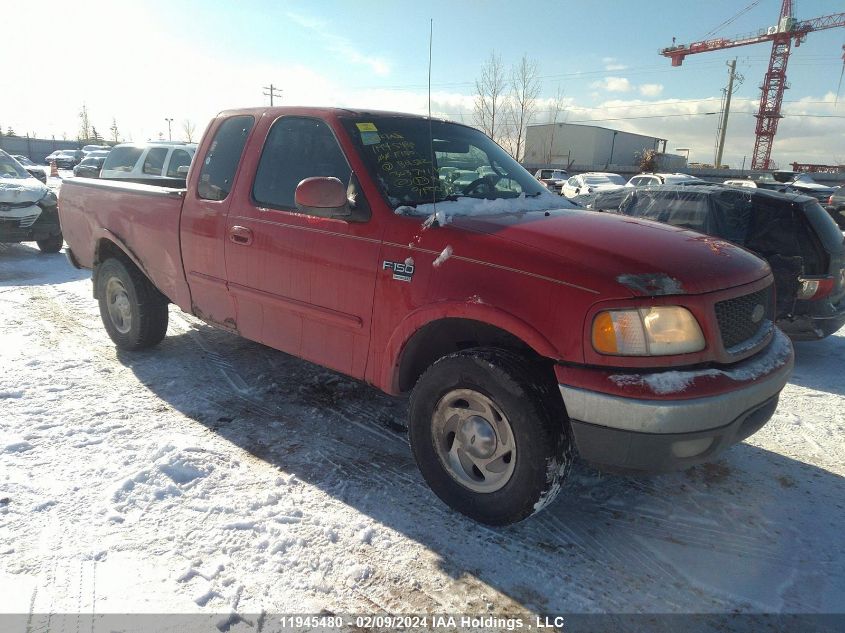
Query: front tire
x,y
51,244
134,313
487,430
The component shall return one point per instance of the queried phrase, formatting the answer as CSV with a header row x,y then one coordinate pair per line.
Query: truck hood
x,y
18,190
634,257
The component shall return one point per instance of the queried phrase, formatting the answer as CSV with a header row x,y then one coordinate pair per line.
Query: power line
x,y
272,91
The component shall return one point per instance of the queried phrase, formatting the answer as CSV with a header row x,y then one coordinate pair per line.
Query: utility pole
x,y
723,121
272,91
169,132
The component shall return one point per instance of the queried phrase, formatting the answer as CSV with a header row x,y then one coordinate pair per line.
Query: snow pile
x,y
174,471
443,212
661,383
444,255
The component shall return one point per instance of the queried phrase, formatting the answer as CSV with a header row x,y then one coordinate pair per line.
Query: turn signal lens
x,y
655,331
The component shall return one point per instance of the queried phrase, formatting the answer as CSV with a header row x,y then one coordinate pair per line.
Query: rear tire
x,y
133,311
51,244
488,432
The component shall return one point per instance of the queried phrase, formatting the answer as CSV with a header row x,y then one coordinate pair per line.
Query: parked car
x,y
804,183
836,206
95,148
518,323
27,208
68,158
51,156
645,180
792,232
591,182
163,163
741,182
34,170
554,179
768,181
89,167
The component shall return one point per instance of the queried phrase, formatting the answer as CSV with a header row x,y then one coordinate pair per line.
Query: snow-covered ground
x,y
215,475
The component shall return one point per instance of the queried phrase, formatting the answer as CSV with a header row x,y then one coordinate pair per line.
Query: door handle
x,y
240,235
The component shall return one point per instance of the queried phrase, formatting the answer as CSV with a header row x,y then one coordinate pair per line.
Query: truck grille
x,y
740,319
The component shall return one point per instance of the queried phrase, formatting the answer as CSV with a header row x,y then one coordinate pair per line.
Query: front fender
x,y
386,374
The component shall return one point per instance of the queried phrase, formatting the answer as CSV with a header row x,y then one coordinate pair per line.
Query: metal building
x,y
573,144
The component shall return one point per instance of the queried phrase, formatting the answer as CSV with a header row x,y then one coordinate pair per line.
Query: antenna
x,y
430,133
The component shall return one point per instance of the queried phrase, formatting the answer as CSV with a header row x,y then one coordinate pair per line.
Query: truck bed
x,y
144,219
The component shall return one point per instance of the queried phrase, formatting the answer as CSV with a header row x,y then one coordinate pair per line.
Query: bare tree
x,y
84,124
189,128
490,97
525,88
557,108
115,134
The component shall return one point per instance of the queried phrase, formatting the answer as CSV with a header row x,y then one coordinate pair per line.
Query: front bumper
x,y
660,433
818,320
46,226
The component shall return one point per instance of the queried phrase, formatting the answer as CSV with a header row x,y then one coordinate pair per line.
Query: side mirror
x,y
577,189
322,196
182,171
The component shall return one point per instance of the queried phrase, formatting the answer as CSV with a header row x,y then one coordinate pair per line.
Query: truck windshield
x,y
415,161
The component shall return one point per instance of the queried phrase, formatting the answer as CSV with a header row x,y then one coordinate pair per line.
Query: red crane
x,y
774,83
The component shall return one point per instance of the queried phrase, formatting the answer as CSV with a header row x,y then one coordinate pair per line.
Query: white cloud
x,y
341,46
613,84
650,90
611,64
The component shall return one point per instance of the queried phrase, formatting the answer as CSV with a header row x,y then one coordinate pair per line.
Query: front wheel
x,y
51,244
133,312
488,433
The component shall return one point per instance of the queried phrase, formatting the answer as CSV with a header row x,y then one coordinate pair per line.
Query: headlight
x,y
656,331
49,199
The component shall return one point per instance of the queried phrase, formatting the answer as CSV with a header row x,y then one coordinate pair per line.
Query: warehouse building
x,y
573,144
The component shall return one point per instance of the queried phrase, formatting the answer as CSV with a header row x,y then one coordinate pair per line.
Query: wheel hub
x,y
474,440
119,306
477,437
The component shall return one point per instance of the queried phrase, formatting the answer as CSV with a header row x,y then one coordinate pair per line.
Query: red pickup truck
x,y
522,327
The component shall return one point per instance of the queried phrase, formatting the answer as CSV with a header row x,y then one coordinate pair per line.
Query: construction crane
x,y
782,35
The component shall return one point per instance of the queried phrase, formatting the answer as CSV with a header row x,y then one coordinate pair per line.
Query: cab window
x,y
222,158
296,148
154,161
179,158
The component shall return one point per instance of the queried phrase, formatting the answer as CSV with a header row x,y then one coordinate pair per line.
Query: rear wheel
x,y
51,244
487,430
134,313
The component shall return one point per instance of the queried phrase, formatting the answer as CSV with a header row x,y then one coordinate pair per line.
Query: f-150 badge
x,y
402,271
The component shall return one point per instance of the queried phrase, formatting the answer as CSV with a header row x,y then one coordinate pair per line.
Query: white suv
x,y
155,161
645,180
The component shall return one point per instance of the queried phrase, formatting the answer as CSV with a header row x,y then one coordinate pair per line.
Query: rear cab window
x,y
223,156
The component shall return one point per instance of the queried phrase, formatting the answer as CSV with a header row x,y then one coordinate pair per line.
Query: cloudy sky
x,y
144,61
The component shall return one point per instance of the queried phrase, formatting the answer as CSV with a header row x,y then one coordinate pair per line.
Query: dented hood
x,y
635,257
18,190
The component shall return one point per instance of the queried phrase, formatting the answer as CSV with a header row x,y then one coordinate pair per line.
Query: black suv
x,y
802,244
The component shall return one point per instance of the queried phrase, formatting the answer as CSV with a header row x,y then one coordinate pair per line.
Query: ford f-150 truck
x,y
523,329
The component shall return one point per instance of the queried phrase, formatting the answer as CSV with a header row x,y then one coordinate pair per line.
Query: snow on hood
x,y
15,190
444,211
